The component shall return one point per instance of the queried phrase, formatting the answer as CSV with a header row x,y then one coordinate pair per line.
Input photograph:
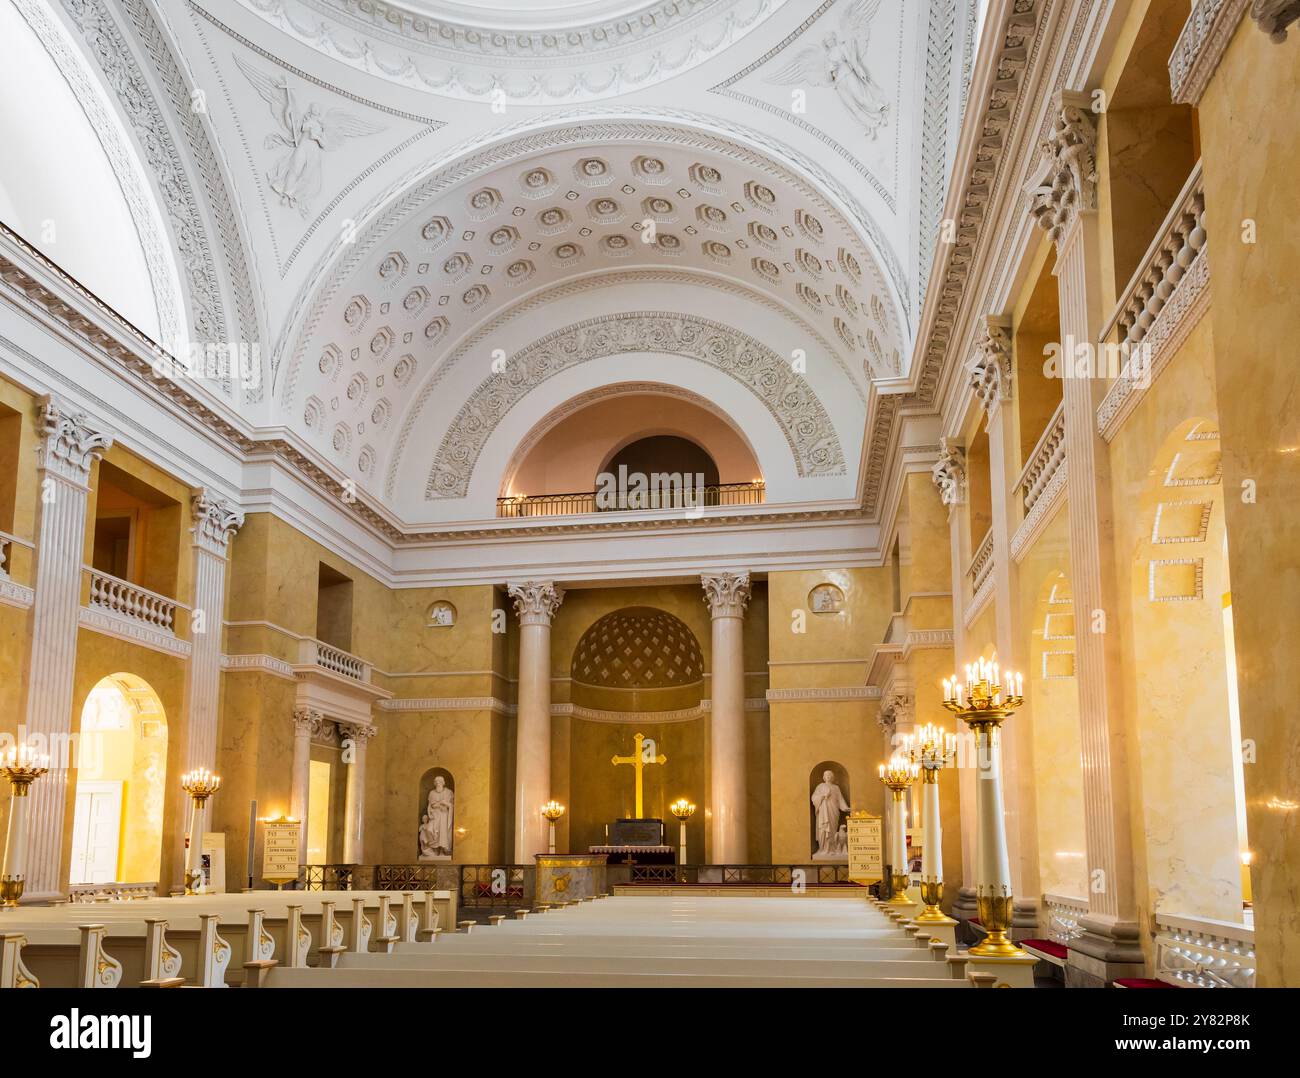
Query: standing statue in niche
x,y
435,824
829,804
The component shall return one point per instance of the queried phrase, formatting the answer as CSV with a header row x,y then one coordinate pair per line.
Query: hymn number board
x,y
866,862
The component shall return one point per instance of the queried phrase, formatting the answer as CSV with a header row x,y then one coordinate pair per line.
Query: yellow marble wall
x,y
1052,691
832,652
1175,671
1251,155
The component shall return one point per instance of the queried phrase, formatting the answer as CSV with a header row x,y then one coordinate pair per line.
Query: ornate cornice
x,y
215,521
949,473
133,632
70,441
267,664
1064,183
823,695
787,396
991,372
726,593
536,601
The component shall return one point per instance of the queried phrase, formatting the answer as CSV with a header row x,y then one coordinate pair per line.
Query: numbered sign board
x,y
866,863
280,851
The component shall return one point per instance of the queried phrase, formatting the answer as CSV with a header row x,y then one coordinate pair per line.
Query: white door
x,y
96,832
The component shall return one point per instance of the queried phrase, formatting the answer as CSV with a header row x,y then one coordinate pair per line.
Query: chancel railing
x,y
1197,952
666,496
739,875
500,886
131,601
112,892
1063,915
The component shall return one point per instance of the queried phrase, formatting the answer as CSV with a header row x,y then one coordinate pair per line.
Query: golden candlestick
x,y
21,766
200,784
683,810
931,749
552,810
986,699
899,775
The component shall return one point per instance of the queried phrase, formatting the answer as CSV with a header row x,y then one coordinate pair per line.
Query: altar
x,y
636,842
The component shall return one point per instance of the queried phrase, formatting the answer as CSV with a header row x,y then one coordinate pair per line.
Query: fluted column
x,y
994,383
727,594
70,444
949,474
305,723
1065,205
536,603
354,811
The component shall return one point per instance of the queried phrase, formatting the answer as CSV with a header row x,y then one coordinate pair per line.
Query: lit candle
x,y
1020,685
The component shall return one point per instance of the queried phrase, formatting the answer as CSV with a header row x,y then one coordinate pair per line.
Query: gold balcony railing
x,y
662,497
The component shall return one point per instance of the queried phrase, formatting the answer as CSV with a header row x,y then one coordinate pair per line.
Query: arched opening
x,y
117,830
828,789
1186,693
1053,695
690,468
437,823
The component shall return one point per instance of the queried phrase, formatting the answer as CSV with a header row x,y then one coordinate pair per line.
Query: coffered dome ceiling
x,y
734,198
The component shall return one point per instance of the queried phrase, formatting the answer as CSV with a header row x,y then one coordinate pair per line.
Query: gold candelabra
x,y
931,749
683,810
21,766
899,775
552,810
200,784
988,697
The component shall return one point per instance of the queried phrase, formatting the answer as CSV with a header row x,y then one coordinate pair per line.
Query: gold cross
x,y
639,760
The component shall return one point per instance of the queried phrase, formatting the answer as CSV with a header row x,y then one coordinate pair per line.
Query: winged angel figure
x,y
840,62
303,137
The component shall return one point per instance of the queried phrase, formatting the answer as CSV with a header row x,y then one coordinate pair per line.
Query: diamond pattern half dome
x,y
638,648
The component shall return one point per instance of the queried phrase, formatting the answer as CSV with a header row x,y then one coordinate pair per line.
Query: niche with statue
x,y
828,784
437,834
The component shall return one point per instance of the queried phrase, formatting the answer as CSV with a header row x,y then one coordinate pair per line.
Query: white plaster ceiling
x,y
391,196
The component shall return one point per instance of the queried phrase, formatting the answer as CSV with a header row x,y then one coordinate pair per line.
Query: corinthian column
x,y
70,444
215,521
727,594
1064,192
949,473
536,603
305,723
354,812
994,383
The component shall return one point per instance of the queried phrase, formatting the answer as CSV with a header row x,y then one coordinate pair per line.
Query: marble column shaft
x,y
354,815
70,444
727,594
536,603
305,723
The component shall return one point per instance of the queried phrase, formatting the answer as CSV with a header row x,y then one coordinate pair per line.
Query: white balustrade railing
x,y
981,564
1197,952
128,600
1063,915
1178,242
335,660
1045,460
112,892
7,544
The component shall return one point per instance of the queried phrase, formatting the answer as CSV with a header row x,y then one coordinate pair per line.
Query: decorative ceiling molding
x,y
789,398
548,298
544,63
415,196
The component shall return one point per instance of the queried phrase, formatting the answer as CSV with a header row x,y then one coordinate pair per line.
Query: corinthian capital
x,y
990,366
726,593
1274,16
1065,182
949,473
215,521
307,721
536,601
70,442
358,732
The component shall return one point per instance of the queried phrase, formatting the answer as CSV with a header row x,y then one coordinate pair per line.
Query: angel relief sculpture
x,y
303,137
840,62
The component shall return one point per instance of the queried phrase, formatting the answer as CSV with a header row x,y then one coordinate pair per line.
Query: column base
x,y
1024,919
1107,949
964,906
